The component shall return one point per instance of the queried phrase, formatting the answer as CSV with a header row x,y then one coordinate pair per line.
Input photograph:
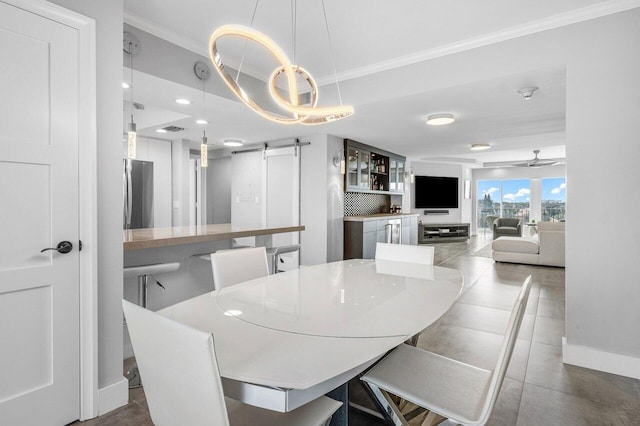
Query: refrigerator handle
x,y
129,196
126,192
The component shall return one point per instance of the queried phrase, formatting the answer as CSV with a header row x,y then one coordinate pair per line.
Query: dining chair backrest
x,y
181,378
231,267
508,344
405,253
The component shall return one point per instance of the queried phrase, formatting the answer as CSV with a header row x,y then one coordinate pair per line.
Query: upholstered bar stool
x,y
143,273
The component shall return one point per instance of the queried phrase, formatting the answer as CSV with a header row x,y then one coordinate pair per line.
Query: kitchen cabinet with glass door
x,y
396,175
369,169
357,170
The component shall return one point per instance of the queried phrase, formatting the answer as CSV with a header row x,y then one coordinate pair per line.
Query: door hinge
x,y
79,245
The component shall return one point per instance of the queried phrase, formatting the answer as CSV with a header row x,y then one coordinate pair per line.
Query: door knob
x,y
63,247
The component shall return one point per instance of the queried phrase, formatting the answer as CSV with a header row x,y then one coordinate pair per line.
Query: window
x,y
503,198
488,201
553,199
515,199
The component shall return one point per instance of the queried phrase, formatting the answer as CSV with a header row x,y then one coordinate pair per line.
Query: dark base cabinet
x,y
442,232
360,237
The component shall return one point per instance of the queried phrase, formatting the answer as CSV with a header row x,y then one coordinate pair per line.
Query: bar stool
x,y
143,273
275,252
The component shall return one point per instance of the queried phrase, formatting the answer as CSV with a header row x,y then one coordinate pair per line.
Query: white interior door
x,y
281,194
39,292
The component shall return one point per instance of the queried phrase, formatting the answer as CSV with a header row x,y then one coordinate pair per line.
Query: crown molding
x,y
540,25
170,36
186,43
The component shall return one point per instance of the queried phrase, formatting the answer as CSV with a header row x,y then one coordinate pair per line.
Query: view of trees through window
x,y
503,198
512,198
554,199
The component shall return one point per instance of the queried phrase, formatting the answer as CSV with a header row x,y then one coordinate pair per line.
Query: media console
x,y
442,232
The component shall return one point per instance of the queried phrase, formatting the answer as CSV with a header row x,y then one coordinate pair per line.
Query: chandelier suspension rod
x,y
333,61
244,49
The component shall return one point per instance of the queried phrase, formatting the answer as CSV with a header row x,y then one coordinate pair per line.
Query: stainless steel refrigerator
x,y
137,184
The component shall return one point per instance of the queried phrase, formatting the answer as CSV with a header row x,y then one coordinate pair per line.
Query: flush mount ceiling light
x,y
233,142
125,85
480,146
527,92
309,113
440,119
183,101
201,121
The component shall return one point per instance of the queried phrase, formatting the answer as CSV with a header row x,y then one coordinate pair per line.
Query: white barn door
x,y
39,292
281,195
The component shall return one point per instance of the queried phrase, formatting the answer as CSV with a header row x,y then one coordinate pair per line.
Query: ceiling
x,y
369,37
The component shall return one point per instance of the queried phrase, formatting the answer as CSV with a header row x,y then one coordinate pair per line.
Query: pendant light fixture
x,y
131,45
310,114
202,72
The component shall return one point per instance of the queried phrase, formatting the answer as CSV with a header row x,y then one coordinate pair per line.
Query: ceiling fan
x,y
536,162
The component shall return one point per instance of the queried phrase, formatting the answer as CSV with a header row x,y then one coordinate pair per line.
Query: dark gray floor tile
x,y
545,369
474,347
129,415
544,407
485,319
552,292
551,308
499,296
505,412
549,331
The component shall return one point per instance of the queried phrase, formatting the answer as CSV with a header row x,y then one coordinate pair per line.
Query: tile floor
x,y
538,390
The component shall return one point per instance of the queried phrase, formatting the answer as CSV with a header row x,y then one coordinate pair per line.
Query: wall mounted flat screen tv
x,y
435,192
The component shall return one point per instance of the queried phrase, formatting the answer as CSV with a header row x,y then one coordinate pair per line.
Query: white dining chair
x,y
231,267
460,392
405,253
182,382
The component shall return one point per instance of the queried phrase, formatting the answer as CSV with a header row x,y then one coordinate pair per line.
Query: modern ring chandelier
x,y
308,114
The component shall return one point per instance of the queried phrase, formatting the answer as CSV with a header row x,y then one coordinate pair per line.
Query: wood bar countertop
x,y
146,238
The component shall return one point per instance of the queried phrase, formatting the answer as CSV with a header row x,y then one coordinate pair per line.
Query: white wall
x,y
603,93
439,169
108,16
313,203
335,201
180,182
157,151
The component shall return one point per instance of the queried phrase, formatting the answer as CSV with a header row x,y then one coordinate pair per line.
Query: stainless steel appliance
x,y
393,231
137,184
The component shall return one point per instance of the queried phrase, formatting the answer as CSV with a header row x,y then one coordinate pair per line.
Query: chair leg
x,y
389,408
433,419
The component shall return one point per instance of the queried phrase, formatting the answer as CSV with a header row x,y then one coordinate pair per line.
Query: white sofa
x,y
545,248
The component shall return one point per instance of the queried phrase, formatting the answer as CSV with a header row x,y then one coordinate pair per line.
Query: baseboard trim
x,y
595,359
113,396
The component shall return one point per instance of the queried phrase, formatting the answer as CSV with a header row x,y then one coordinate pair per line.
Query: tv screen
x,y
435,192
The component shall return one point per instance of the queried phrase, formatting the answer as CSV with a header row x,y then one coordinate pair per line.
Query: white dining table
x,y
286,339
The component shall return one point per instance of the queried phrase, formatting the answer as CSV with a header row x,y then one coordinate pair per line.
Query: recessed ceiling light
x,y
480,146
233,142
183,101
125,85
161,130
201,121
440,119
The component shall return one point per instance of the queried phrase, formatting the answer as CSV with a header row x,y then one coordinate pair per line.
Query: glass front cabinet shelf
x,y
369,169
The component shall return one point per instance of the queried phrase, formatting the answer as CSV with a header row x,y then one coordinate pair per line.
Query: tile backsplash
x,y
361,203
